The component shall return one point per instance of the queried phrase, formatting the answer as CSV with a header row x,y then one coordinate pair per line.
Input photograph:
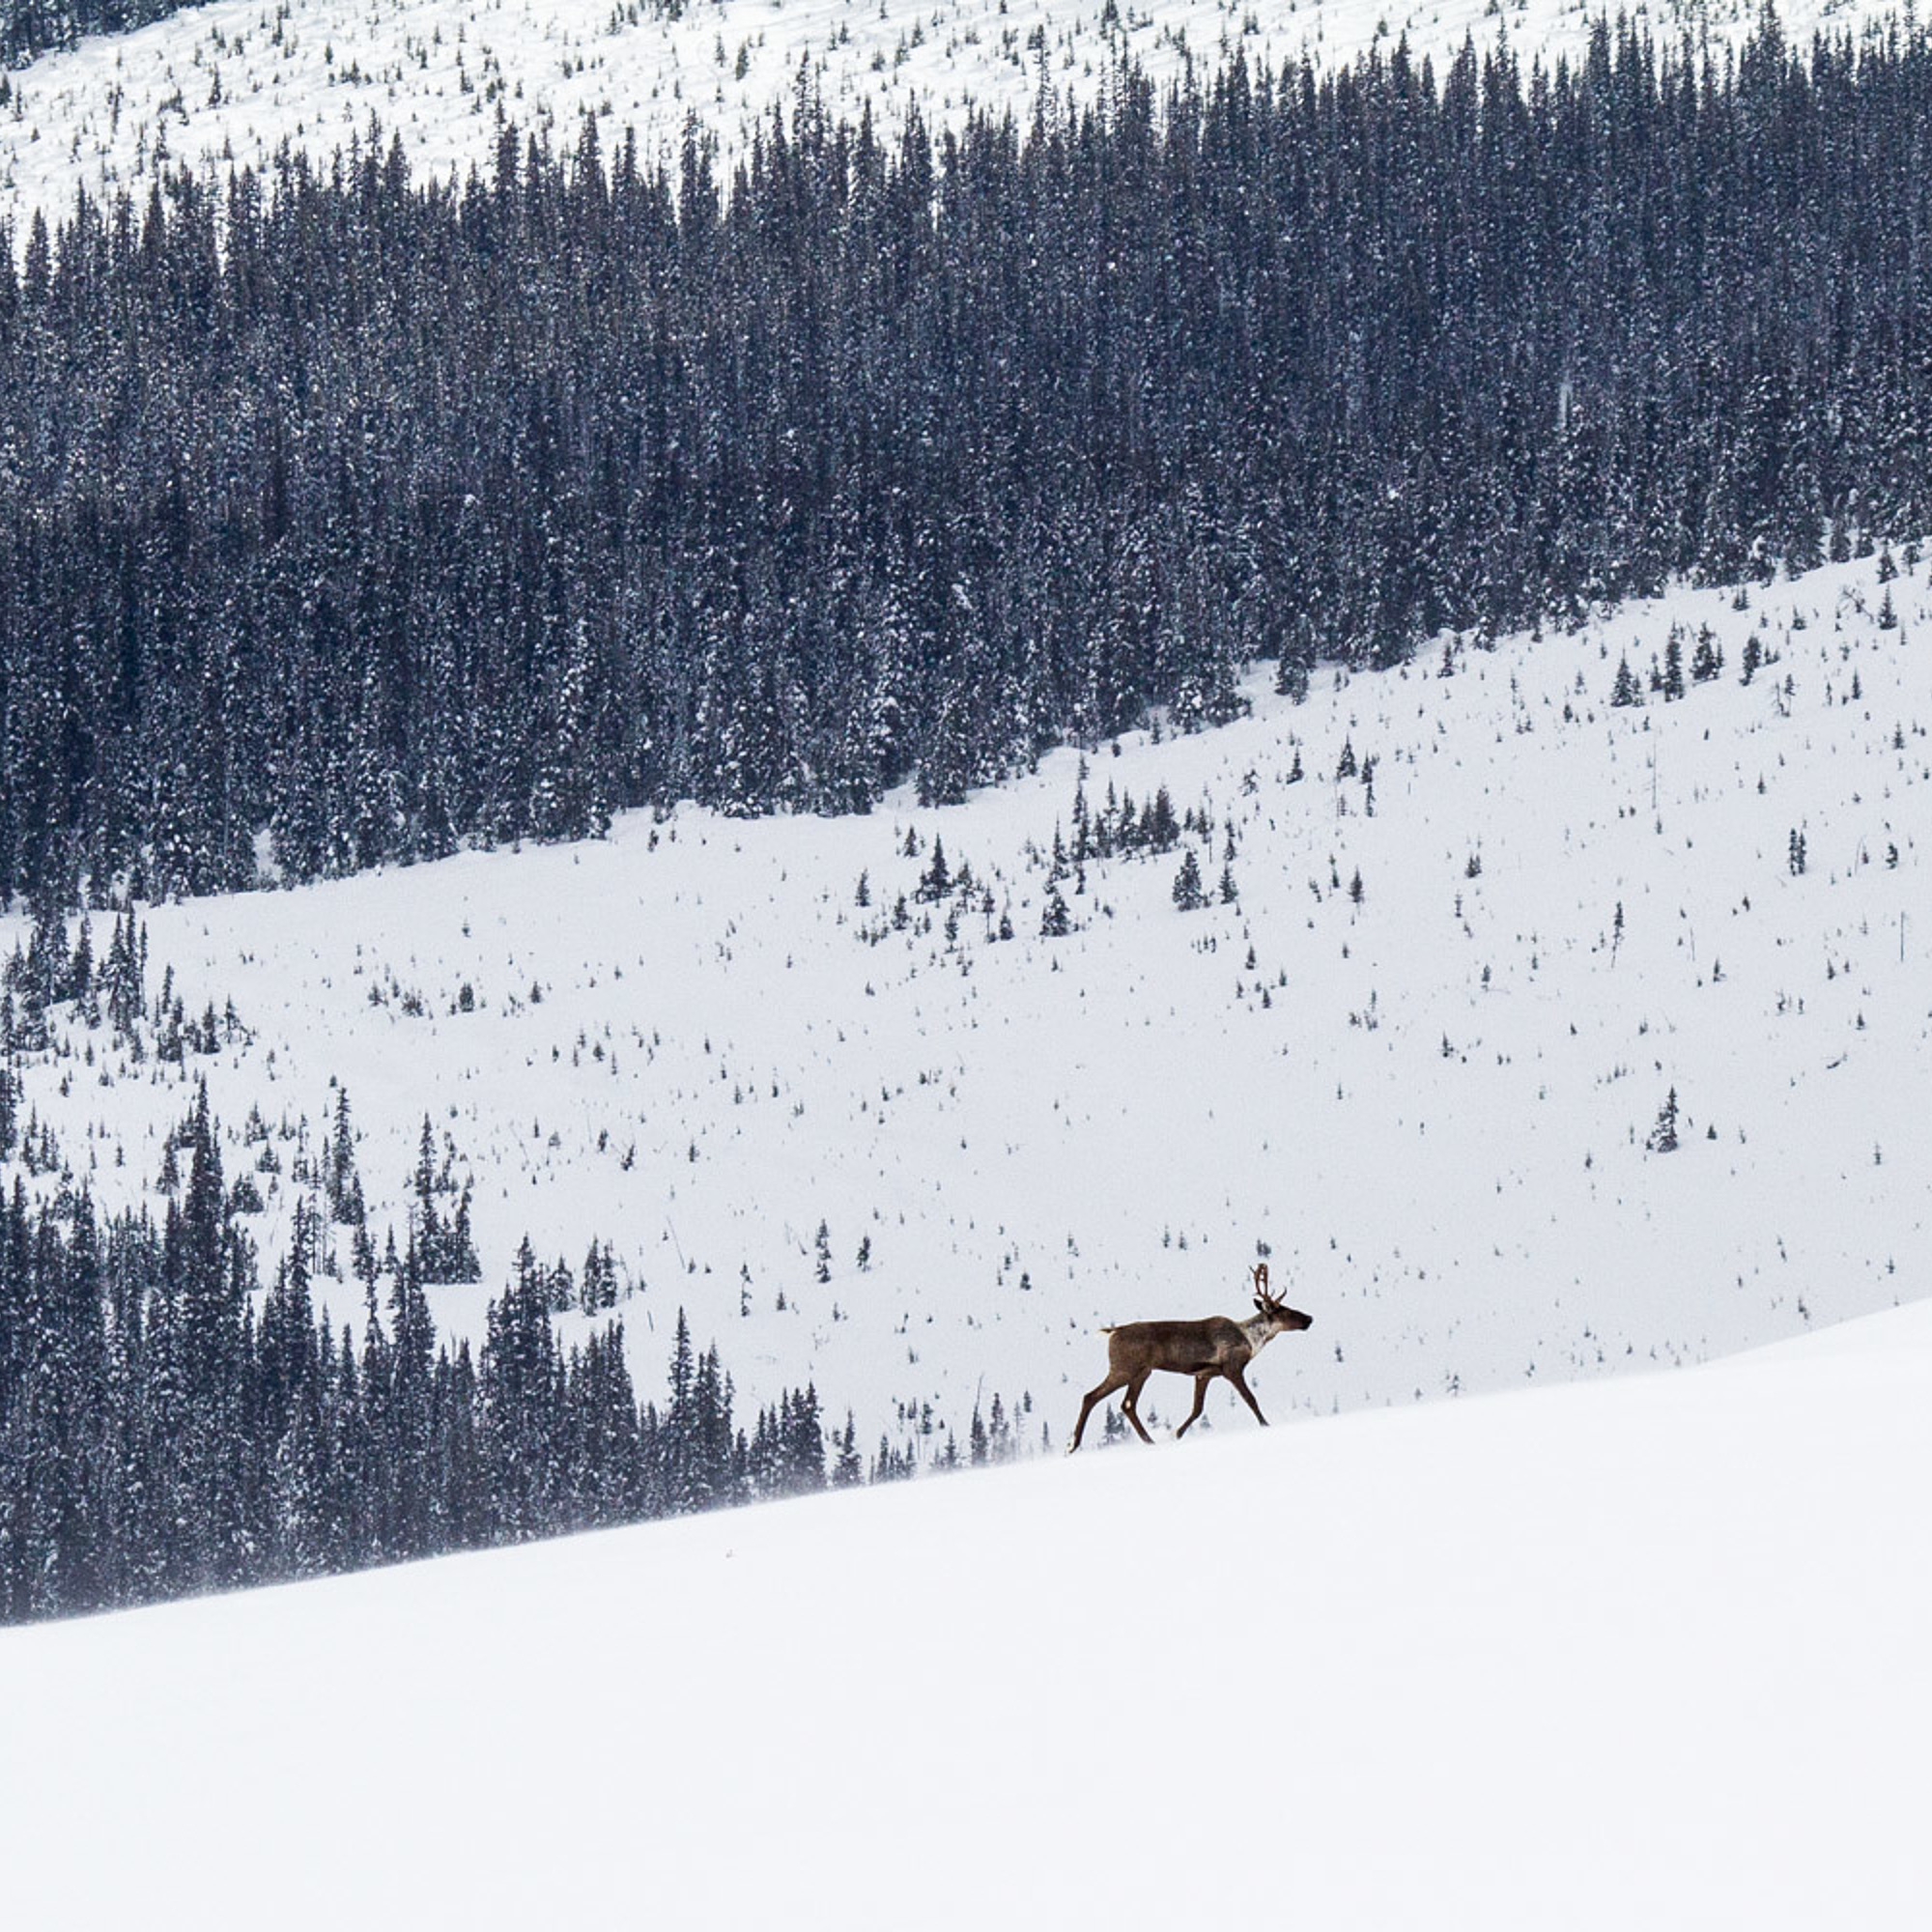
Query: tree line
x,y
345,518
174,1418
169,1426
29,28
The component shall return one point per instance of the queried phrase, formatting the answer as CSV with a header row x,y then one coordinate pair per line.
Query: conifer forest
x,y
350,519
29,27
167,1428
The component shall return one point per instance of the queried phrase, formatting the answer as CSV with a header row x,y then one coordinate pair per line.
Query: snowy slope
x,y
228,83
1433,1107
1652,1652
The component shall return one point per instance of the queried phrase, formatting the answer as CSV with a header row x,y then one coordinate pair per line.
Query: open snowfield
x,y
1651,1654
227,84
1433,1106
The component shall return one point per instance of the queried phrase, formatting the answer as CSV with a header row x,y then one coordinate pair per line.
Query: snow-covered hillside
x,y
1647,1653
1431,1109
230,82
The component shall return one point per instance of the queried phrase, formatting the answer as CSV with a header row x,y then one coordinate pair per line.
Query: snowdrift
x,y
1646,1652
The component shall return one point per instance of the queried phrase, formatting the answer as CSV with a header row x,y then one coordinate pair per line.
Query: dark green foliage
x,y
485,527
31,27
166,1429
597,1283
1673,664
937,880
849,1469
1159,828
441,1246
341,1184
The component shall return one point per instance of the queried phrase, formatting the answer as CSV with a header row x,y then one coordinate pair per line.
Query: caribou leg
x,y
1234,1375
1099,1394
1201,1382
1131,1398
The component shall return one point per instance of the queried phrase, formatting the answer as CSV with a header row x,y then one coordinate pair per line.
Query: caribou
x,y
1202,1349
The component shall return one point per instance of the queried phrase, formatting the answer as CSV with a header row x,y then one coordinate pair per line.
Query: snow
x,y
1642,1648
1437,1124
229,83
1647,1652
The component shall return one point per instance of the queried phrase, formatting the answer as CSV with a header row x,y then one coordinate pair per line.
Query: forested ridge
x,y
31,27
178,1415
385,516
169,1426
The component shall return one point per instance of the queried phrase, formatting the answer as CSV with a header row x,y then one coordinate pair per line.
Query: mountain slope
x,y
232,81
1646,1653
1433,1107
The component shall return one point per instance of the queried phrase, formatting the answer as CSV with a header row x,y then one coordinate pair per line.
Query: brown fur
x,y
1204,1350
